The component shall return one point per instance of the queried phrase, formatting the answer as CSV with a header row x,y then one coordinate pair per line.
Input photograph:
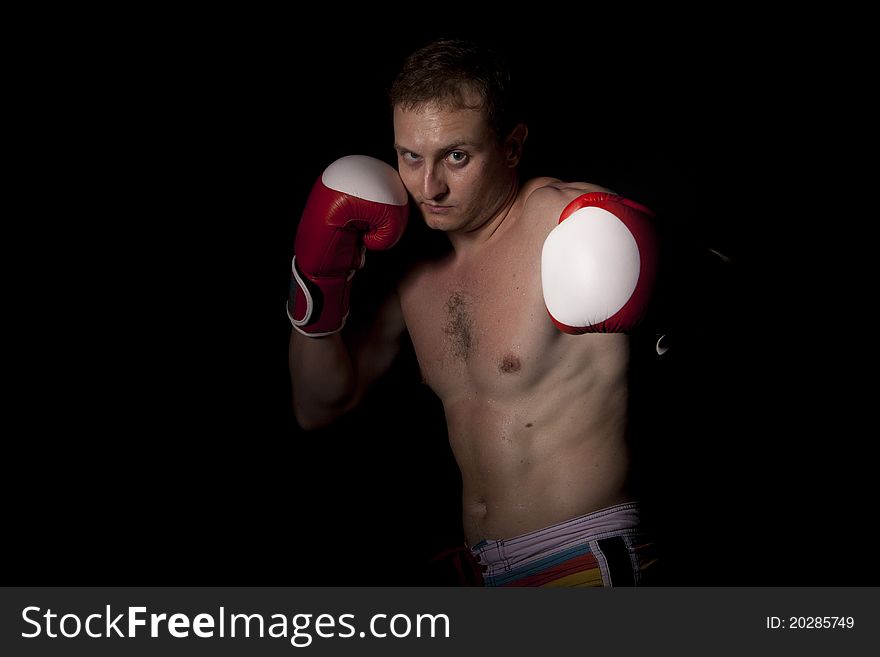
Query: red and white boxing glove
x,y
357,202
599,264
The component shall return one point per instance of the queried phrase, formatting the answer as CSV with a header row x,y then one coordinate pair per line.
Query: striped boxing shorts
x,y
608,547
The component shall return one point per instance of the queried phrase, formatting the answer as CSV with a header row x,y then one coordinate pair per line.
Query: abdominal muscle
x,y
530,461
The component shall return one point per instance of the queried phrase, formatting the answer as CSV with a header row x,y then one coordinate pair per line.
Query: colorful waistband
x,y
603,548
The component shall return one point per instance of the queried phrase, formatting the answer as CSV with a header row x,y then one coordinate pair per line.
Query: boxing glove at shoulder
x,y
358,202
599,265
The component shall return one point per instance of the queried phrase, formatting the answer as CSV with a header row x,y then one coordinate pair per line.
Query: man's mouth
x,y
434,208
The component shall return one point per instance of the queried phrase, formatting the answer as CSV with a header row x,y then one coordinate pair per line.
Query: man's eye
x,y
457,157
410,157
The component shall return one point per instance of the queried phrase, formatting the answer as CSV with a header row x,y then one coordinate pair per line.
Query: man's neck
x,y
469,243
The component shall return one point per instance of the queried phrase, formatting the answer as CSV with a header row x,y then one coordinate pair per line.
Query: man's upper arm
x,y
375,345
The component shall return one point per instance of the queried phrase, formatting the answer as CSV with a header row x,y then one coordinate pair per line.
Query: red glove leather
x,y
358,202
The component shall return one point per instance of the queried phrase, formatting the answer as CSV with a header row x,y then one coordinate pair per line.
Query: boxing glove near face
x,y
599,264
358,202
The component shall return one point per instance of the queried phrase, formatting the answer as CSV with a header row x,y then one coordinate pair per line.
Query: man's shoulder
x,y
549,196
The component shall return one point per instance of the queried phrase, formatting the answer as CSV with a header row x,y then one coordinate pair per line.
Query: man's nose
x,y
434,184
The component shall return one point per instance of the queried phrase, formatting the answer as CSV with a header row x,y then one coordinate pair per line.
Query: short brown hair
x,y
445,70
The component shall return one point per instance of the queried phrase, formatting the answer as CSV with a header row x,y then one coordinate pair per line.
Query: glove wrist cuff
x,y
317,306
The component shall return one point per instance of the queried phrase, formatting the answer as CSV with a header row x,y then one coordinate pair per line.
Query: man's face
x,y
452,164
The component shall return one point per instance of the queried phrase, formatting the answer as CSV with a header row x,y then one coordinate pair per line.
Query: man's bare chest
x,y
482,327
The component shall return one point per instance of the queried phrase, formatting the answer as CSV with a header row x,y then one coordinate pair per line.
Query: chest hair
x,y
459,327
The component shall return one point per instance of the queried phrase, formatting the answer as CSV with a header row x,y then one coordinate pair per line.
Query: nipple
x,y
509,364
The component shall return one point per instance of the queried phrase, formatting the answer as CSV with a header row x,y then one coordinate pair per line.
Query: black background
x,y
167,161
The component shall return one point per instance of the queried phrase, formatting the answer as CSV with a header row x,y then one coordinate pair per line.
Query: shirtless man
x,y
535,402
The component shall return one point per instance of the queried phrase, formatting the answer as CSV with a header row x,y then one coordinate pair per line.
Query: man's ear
x,y
514,144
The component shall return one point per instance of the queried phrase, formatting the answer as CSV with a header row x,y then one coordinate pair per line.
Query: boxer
x,y
522,329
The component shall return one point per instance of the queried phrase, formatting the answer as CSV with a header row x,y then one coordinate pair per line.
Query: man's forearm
x,y
322,377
